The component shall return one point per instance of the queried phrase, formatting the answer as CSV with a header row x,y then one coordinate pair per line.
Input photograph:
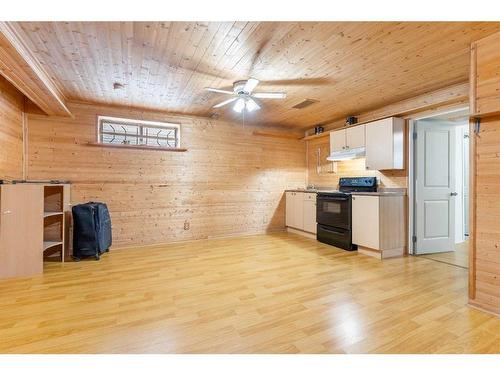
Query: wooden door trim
x,y
472,209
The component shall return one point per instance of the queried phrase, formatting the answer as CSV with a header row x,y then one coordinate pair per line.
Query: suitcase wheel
x,y
76,259
107,250
97,257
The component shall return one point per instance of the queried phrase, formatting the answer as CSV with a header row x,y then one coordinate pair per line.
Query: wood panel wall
x,y
229,181
485,269
484,272
11,131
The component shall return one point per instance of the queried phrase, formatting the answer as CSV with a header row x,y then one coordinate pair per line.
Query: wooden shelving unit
x,y
54,223
50,244
47,214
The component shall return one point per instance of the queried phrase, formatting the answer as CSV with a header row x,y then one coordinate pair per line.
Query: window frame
x,y
140,124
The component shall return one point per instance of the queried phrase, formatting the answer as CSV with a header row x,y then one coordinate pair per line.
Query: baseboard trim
x,y
483,308
244,234
301,233
381,254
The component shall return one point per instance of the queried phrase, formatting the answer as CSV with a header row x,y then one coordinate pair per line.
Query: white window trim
x,y
138,122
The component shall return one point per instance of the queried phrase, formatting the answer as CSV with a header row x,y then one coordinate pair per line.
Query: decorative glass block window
x,y
121,131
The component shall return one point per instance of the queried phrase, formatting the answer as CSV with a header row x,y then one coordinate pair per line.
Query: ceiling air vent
x,y
305,103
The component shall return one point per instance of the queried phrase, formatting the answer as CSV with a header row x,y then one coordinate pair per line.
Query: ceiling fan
x,y
244,97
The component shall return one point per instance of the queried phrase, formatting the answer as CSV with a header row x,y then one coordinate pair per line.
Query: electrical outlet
x,y
186,225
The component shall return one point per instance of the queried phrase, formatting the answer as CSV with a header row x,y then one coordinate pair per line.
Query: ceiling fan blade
x,y
219,90
225,102
314,81
250,85
252,105
269,95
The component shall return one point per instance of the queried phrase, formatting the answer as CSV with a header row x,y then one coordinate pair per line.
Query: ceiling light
x,y
239,105
252,105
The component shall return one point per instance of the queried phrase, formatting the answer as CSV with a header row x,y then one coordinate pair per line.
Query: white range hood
x,y
348,154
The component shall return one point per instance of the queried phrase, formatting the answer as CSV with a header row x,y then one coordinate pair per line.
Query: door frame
x,y
411,170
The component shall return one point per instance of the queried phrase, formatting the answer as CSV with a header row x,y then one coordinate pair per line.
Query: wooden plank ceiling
x,y
349,67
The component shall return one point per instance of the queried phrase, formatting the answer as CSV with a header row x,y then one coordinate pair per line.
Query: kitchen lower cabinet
x,y
378,225
309,213
294,210
301,211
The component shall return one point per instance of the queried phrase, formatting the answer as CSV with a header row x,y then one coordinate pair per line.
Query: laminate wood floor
x,y
278,293
459,257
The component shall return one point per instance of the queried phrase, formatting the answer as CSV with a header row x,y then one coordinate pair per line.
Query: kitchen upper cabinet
x,y
384,144
301,211
338,140
346,139
485,76
355,136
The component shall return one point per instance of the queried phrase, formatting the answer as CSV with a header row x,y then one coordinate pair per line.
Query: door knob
x,y
454,194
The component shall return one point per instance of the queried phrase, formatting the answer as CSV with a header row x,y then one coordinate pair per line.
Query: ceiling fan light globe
x,y
251,105
239,105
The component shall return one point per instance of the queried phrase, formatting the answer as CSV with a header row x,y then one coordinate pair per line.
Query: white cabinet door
x,y
294,215
337,140
289,208
384,144
365,221
355,136
298,213
379,144
310,216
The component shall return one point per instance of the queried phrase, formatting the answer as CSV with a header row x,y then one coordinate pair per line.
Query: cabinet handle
x,y
353,198
367,167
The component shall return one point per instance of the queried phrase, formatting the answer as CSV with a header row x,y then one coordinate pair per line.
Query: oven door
x,y
334,210
337,237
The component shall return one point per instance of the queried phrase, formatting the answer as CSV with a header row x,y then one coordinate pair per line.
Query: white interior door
x,y
435,192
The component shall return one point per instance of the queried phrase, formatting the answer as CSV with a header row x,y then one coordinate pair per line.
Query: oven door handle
x,y
326,229
333,199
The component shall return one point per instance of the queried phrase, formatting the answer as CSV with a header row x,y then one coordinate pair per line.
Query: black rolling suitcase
x,y
91,230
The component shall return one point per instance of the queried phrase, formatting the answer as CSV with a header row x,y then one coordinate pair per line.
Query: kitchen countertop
x,y
380,193
310,190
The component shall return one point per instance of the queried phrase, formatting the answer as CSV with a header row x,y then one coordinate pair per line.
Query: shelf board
x,y
263,133
49,244
137,147
49,213
314,136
